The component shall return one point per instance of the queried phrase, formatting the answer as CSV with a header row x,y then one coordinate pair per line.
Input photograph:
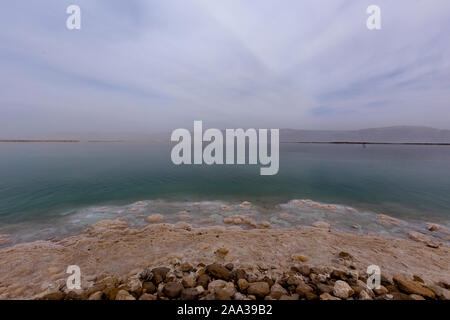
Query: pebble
x,y
342,290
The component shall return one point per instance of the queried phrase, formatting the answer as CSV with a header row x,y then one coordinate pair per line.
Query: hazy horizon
x,y
153,66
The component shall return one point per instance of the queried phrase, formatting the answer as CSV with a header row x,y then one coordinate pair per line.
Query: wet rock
x,y
258,289
172,289
339,275
322,225
342,290
310,296
124,295
418,279
413,287
229,266
218,271
155,218
189,294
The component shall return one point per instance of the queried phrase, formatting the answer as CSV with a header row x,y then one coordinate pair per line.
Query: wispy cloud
x,y
157,65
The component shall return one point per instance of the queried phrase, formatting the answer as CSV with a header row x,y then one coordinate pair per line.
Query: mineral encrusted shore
x,y
164,261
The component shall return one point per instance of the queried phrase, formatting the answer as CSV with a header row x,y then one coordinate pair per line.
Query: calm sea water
x,y
60,187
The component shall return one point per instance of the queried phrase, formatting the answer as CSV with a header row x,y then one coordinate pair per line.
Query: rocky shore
x,y
165,261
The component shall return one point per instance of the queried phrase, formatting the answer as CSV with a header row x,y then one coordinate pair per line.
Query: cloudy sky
x,y
145,66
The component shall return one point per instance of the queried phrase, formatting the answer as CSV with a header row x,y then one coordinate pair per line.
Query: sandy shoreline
x,y
111,248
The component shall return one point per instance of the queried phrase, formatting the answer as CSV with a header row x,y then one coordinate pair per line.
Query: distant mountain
x,y
386,134
399,134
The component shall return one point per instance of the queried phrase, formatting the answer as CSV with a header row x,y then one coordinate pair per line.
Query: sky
x,y
151,66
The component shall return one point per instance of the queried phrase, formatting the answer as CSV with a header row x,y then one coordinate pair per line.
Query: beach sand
x,y
112,248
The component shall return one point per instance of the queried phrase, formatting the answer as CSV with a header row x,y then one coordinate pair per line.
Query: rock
x,y
345,255
146,275
298,257
172,289
155,218
324,288
303,289
203,280
135,286
399,296
218,271
322,225
420,237
242,285
124,295
416,297
258,289
363,295
441,293
239,274
239,296
437,227
189,294
276,291
413,287
310,296
159,274
147,296
223,294
200,289
96,296
342,290
387,220
327,296
229,266
304,270
380,290
215,285
339,275
186,267
148,287
188,282
222,251
418,279
288,297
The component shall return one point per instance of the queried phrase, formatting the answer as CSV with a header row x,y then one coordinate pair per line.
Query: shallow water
x,y
51,189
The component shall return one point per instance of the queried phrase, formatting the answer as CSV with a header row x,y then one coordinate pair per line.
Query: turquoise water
x,y
49,184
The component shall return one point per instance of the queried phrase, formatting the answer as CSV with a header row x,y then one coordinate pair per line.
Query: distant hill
x,y
400,134
385,134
